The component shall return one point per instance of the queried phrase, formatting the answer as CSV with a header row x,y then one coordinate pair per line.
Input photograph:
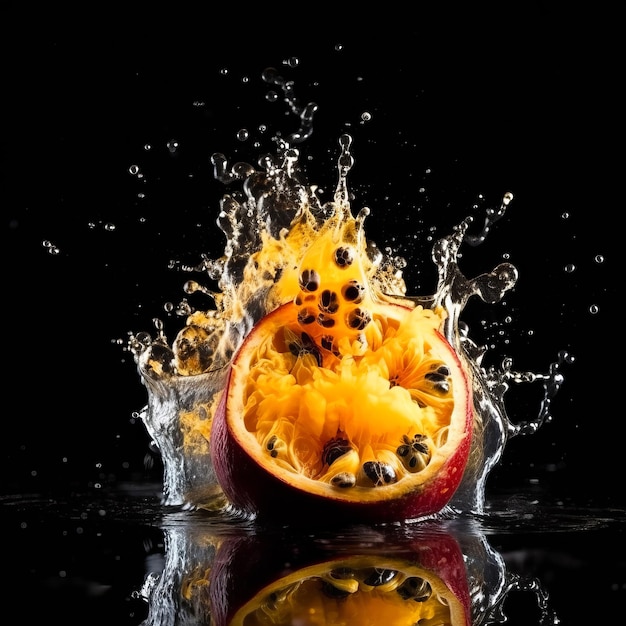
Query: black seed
x,y
309,280
305,317
328,302
440,379
307,340
358,319
328,343
443,387
272,442
415,588
342,573
274,453
420,447
343,480
434,376
376,576
344,256
379,473
353,291
333,449
412,449
326,322
307,346
403,450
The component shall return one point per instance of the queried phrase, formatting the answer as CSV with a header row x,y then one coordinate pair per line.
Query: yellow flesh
x,y
338,378
307,597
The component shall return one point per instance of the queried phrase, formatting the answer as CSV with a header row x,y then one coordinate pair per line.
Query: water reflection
x,y
434,573
122,558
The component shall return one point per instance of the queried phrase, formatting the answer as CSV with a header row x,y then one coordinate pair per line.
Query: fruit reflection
x,y
236,575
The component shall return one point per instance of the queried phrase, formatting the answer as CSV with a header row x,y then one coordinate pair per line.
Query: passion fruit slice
x,y
425,583
358,414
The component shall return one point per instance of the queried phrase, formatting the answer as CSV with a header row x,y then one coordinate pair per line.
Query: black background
x,y
462,111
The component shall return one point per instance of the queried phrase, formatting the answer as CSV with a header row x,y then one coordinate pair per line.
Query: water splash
x,y
268,219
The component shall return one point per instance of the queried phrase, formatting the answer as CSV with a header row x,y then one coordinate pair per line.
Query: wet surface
x,y
88,559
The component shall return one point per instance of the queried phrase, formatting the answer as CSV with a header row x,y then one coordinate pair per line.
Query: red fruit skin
x,y
255,491
245,565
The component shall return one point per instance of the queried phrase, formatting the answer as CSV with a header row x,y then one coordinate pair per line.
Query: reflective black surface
x,y
88,557
460,114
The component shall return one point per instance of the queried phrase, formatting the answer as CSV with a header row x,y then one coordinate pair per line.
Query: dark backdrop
x,y
460,114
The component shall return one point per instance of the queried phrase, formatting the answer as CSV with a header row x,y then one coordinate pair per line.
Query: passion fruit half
x,y
336,412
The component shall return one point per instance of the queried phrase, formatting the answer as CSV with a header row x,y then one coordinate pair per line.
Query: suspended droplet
x,y
50,247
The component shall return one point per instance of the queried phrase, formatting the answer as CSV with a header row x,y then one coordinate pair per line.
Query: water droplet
x,y
172,146
593,309
134,170
599,258
109,227
569,268
242,215
271,96
292,62
50,247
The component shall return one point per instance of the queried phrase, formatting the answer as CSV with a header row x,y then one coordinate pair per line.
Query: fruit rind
x,y
255,483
